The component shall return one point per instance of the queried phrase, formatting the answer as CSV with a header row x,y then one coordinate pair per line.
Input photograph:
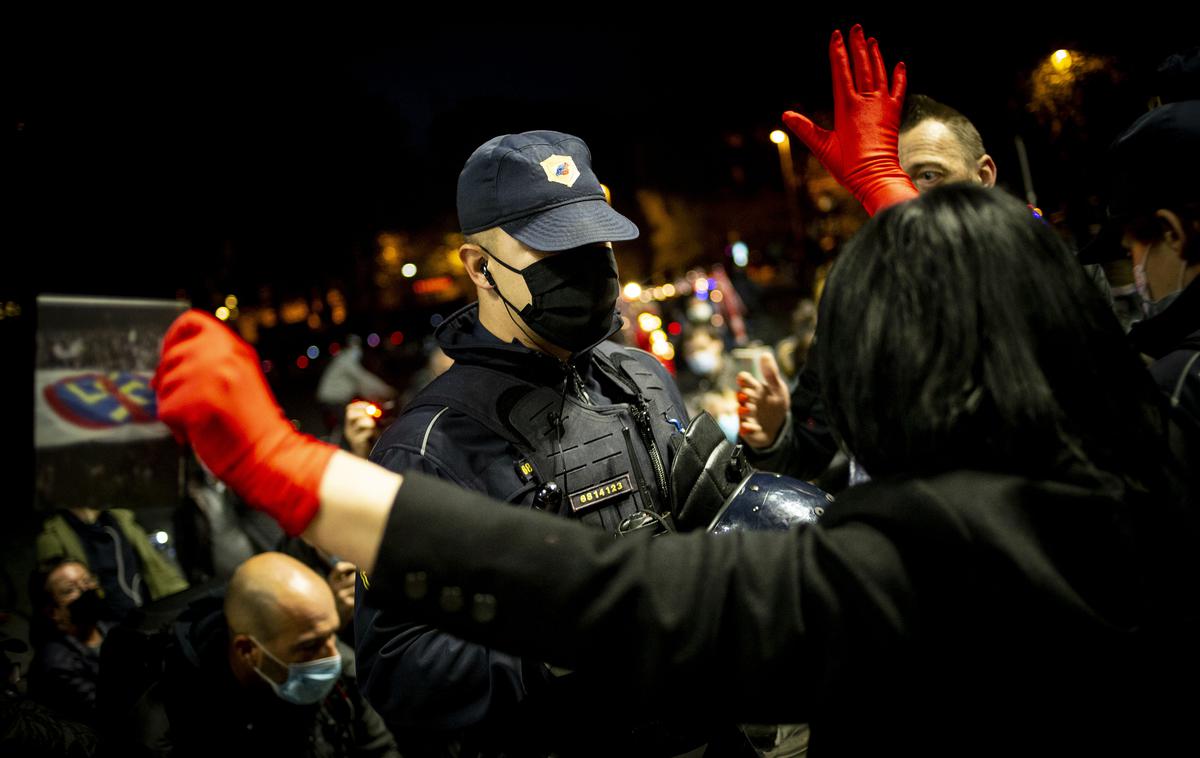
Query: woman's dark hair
x,y
957,331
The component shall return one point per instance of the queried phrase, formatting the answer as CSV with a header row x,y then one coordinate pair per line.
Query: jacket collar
x,y
465,340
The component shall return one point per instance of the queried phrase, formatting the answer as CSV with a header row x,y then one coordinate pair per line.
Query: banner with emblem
x,y
96,434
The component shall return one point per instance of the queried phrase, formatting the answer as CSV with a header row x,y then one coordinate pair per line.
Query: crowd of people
x,y
1004,561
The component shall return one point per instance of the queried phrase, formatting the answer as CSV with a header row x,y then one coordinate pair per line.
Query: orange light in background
x,y
374,411
432,285
267,317
632,291
668,290
338,315
314,321
293,312
716,296
231,301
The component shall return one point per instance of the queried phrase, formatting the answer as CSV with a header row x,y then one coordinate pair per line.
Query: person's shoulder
x,y
437,439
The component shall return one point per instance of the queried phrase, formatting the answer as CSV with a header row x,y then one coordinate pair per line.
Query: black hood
x,y
201,638
465,340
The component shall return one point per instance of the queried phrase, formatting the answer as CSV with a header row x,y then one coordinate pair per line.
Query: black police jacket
x,y
501,422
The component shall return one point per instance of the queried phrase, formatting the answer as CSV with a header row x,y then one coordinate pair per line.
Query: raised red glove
x,y
212,393
860,152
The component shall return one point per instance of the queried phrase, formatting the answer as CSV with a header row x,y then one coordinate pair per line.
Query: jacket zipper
x,y
641,415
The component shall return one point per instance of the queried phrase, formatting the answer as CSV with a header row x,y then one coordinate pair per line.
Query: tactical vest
x,y
606,465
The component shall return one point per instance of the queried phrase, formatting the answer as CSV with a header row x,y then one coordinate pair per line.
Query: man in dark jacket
x,y
1156,208
537,410
260,676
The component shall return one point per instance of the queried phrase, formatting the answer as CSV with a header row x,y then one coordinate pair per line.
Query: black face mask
x,y
87,609
574,295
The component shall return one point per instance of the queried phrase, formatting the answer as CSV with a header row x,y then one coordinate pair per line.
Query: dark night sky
x,y
143,164
152,157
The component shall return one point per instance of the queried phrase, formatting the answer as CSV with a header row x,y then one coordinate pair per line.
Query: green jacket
x,y
59,540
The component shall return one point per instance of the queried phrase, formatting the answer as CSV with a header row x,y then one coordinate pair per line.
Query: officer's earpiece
x,y
487,274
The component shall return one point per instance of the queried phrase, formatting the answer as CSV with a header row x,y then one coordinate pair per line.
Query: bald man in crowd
x,y
261,675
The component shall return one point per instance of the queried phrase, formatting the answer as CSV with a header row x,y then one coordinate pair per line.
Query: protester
x,y
70,624
261,675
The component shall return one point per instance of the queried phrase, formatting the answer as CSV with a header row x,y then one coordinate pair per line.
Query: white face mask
x,y
1150,306
703,363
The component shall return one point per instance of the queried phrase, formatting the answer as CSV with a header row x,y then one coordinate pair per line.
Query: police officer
x,y
538,410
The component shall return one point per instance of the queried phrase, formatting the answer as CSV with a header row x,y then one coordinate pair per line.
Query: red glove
x,y
212,393
860,152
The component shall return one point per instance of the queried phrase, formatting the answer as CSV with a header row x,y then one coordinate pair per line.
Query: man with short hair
x,y
260,674
939,145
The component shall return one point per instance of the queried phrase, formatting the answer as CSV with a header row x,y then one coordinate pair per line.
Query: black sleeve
x,y
745,622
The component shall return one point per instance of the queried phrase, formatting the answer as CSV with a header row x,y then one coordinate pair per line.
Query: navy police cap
x,y
538,187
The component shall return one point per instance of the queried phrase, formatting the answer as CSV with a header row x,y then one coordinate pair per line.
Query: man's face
x,y
582,293
65,584
931,154
307,627
1161,263
516,254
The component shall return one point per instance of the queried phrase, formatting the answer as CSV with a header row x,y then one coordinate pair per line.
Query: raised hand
x,y
212,394
860,151
763,406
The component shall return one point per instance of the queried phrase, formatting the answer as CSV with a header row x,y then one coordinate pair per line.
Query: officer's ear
x,y
474,261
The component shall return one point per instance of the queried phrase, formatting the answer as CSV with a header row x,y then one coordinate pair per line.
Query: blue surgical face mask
x,y
306,683
729,423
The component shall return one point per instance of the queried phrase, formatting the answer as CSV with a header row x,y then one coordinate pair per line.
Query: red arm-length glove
x,y
860,152
212,393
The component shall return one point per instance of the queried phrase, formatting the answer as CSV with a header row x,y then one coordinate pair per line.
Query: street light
x,y
780,138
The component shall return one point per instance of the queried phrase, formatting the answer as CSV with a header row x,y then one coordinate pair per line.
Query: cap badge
x,y
561,169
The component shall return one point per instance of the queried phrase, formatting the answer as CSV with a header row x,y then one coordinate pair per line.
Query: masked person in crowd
x,y
538,410
1018,577
260,674
1155,209
116,549
71,621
